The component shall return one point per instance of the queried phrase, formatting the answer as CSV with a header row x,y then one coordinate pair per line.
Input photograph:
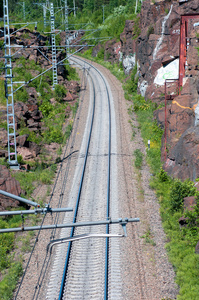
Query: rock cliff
x,y
158,55
152,41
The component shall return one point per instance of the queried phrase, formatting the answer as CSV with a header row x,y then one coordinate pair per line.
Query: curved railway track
x,y
104,184
89,268
86,268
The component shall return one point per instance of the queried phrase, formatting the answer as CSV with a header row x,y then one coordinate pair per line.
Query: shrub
x,y
60,92
46,107
20,159
100,54
46,176
21,95
163,176
180,190
9,281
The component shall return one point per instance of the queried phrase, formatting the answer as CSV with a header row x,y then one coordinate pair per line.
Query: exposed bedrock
x,y
158,59
155,50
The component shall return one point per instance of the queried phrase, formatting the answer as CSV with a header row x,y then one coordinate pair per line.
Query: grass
x,y
138,158
148,238
10,268
9,281
182,242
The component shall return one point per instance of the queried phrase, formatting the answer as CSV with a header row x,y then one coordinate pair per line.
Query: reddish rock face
x,y
189,203
10,185
184,156
157,46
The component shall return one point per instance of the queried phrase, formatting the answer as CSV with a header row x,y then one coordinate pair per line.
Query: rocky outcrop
x,y
10,185
157,56
28,117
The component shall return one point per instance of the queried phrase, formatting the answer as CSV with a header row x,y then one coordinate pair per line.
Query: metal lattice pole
x,y
24,12
44,12
47,3
66,27
74,8
12,150
54,59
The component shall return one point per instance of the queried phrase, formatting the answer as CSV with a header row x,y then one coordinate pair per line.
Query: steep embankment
x,y
152,41
42,115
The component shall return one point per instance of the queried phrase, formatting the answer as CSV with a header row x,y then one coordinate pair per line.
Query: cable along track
x,y
92,268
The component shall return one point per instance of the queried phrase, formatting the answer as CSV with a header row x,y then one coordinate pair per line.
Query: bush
x,y
180,190
20,159
100,54
163,176
21,95
60,92
9,281
46,176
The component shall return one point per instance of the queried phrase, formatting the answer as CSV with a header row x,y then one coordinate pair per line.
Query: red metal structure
x,y
173,86
184,43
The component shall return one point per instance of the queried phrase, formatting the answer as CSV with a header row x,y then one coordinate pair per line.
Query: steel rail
x,y
47,258
108,188
107,205
77,201
38,286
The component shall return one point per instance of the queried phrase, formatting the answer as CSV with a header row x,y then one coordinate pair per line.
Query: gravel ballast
x,y
146,271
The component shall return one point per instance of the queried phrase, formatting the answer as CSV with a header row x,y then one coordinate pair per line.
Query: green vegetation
x,y
181,241
2,93
148,238
138,158
9,268
170,192
29,180
54,115
9,281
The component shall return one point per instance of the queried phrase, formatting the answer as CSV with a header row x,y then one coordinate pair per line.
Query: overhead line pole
x,y
23,6
54,58
66,27
44,13
24,13
74,8
12,154
103,12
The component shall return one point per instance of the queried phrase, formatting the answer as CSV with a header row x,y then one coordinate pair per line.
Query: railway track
x,y
128,271
86,270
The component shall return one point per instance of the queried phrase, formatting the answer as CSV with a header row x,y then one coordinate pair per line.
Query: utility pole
x,y
74,8
103,12
24,12
12,150
54,59
66,27
44,13
136,5
44,5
